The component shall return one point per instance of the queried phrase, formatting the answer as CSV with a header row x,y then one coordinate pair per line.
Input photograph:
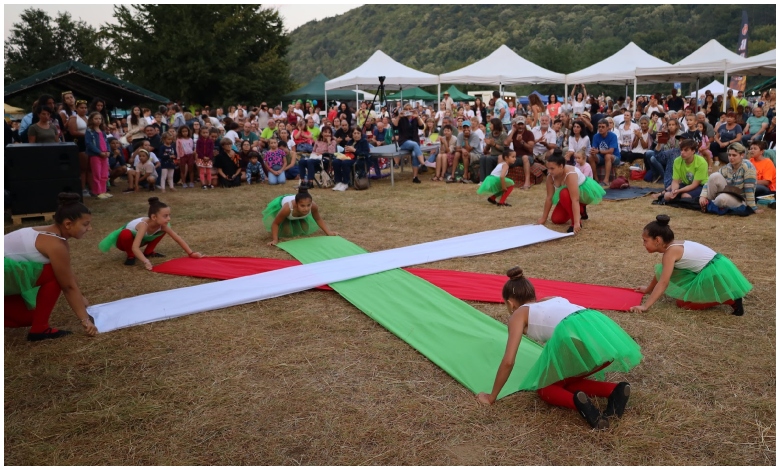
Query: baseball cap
x,y
466,123
518,120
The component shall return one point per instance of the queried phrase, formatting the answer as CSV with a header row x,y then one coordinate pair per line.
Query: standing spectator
x,y
535,111
68,108
188,153
263,116
135,130
501,112
480,110
408,126
178,117
98,153
578,101
43,131
675,103
77,128
99,105
446,102
553,106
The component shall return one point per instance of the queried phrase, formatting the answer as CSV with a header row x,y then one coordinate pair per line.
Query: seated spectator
x,y
523,142
303,138
704,146
627,134
322,153
581,163
756,125
268,132
445,158
739,174
246,134
578,140
689,173
495,142
228,164
313,128
765,169
254,169
468,146
604,151
770,135
287,145
545,139
381,135
725,135
666,150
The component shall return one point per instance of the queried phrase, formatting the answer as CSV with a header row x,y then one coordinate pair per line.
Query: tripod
x,y
380,93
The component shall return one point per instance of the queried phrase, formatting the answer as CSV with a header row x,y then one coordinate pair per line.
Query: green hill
x,y
563,38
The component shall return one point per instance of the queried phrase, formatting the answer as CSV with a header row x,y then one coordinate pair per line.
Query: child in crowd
x,y
144,171
293,215
689,174
446,156
581,163
704,148
167,162
116,160
145,231
185,150
497,184
97,151
216,137
580,345
690,272
254,169
274,161
204,159
765,169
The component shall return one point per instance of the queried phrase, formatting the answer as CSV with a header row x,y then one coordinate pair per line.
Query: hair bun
x,y
66,199
663,219
153,200
303,190
515,273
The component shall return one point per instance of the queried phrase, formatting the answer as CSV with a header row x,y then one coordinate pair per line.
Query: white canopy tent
x,y
378,65
709,60
503,67
763,65
617,69
716,88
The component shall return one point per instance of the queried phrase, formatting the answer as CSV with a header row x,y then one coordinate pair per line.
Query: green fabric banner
x,y
464,342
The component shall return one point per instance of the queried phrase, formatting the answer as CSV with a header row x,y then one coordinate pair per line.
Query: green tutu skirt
x,y
492,185
719,281
581,344
20,279
110,241
590,192
288,228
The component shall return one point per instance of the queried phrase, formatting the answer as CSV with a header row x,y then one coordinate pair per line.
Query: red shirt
x,y
527,136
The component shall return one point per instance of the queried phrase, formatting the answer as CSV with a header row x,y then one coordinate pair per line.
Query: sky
x,y
97,14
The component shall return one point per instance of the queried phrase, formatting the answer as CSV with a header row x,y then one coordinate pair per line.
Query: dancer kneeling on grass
x,y
496,183
690,272
570,191
293,215
578,343
145,231
37,269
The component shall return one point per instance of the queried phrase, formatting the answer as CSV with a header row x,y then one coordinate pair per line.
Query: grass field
x,y
308,379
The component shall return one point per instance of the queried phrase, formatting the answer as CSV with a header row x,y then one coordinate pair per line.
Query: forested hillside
x,y
563,38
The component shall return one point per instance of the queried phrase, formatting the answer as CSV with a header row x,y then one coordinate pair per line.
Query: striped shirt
x,y
743,177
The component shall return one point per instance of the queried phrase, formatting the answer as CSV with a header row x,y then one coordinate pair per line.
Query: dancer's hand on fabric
x,y
484,398
639,309
148,265
577,228
541,221
273,242
196,255
641,289
333,234
89,328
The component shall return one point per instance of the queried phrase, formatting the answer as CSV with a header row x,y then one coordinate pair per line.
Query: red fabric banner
x,y
463,285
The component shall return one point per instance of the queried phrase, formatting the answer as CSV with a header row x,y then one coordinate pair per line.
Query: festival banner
x,y
738,81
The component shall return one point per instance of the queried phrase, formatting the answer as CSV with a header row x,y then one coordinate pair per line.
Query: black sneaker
x,y
130,262
616,404
739,310
584,215
49,333
423,169
504,204
589,412
416,180
156,255
492,201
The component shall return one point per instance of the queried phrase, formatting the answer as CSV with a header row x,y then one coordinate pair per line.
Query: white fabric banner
x,y
194,299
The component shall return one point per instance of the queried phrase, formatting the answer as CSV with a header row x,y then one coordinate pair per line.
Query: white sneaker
x,y
103,196
430,164
343,187
109,195
337,187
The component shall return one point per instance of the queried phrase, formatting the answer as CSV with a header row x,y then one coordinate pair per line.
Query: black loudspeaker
x,y
33,162
36,173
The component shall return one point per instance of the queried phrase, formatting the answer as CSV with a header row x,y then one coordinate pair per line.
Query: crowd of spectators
x,y
214,146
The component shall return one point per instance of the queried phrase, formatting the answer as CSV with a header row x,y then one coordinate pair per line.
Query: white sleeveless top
x,y
81,123
132,224
543,317
289,201
497,171
580,177
695,256
20,245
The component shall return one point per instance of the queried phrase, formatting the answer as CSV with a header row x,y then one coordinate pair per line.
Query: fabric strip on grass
x,y
476,287
461,340
174,303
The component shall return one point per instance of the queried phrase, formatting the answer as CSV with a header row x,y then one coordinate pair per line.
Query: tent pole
x,y
565,90
725,88
697,95
402,97
325,105
633,98
438,95
357,98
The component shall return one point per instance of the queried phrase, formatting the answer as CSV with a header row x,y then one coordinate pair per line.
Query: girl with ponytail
x,y
690,272
37,269
580,345
293,215
146,231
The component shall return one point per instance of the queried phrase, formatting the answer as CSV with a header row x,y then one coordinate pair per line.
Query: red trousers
x,y
562,213
695,306
125,243
18,316
562,393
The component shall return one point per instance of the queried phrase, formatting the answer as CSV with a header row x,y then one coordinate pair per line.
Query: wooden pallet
x,y
18,218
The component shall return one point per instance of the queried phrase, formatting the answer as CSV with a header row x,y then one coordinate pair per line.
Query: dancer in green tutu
x,y
293,215
570,192
497,184
690,272
580,345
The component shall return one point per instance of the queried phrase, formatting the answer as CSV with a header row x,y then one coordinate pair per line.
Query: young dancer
x,y
293,215
37,269
496,183
145,231
570,191
690,272
578,343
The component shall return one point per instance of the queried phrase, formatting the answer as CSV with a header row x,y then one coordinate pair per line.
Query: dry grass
x,y
309,379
